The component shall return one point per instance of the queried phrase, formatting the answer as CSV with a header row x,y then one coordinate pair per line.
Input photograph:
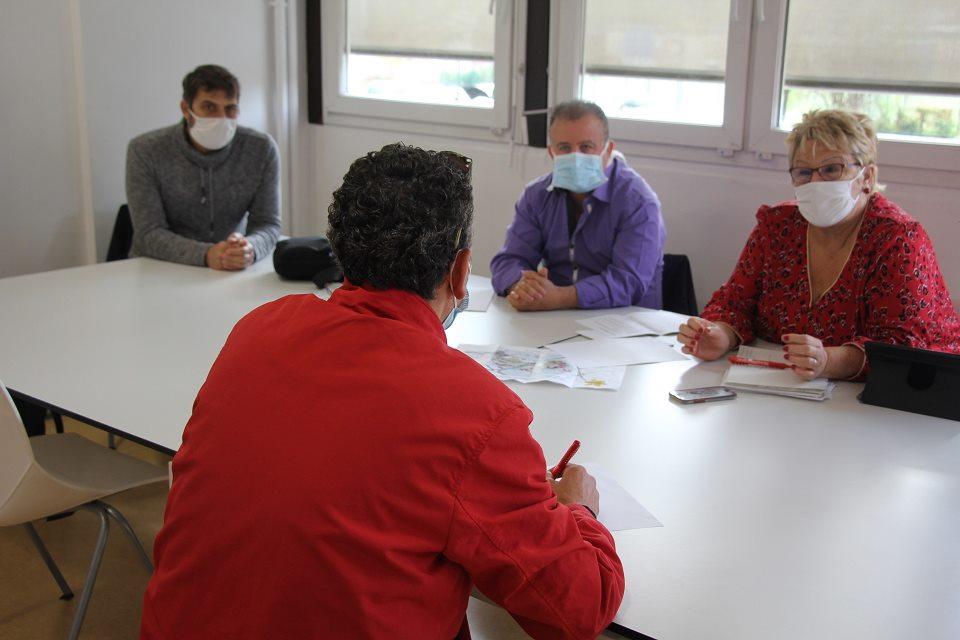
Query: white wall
x,y
135,55
79,78
708,208
41,207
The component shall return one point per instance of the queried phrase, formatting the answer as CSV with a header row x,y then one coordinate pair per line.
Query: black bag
x,y
307,258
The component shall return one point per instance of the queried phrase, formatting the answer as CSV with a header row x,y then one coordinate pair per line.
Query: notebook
x,y
778,382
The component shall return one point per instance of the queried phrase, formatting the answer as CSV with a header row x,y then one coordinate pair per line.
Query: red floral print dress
x,y
890,289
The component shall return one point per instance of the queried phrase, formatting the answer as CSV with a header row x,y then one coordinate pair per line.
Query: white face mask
x,y
824,204
212,133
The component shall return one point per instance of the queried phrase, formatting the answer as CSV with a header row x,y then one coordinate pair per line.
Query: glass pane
x,y
900,71
421,51
654,60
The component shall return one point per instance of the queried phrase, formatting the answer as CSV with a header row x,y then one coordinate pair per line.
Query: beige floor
x,y
29,604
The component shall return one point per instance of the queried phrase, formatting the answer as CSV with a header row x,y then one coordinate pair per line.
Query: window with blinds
x,y
897,62
424,51
658,61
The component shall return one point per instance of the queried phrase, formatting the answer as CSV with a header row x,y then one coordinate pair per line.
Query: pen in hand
x,y
558,470
759,363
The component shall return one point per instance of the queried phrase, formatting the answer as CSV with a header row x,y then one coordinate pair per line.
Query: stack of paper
x,y
648,322
524,364
779,382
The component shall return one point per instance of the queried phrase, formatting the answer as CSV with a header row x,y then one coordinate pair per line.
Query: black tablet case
x,y
915,380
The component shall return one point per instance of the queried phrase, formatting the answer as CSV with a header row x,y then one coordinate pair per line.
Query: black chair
x,y
34,417
119,249
678,293
122,238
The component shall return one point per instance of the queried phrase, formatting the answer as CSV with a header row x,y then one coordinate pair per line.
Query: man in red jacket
x,y
346,474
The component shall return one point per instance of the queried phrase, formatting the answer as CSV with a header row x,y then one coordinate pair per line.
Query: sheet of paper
x,y
332,286
661,322
612,326
610,352
648,322
619,511
480,297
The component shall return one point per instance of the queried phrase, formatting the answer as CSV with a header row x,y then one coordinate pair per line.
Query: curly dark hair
x,y
400,218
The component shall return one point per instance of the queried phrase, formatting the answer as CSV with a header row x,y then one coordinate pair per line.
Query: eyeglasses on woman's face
x,y
827,172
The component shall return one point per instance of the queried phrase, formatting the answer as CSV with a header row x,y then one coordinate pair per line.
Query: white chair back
x,y
16,456
27,490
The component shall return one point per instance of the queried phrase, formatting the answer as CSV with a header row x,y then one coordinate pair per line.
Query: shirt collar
x,y
602,193
403,306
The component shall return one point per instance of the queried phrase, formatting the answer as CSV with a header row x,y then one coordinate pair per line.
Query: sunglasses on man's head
x,y
461,162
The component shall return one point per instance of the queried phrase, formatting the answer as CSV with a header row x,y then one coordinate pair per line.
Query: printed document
x,y
648,322
612,352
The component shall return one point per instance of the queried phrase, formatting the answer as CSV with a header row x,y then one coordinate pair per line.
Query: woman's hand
x,y
807,355
706,340
810,359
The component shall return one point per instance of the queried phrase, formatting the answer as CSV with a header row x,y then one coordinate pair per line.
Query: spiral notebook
x,y
778,382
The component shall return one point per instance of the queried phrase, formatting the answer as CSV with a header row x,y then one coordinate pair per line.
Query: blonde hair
x,y
836,129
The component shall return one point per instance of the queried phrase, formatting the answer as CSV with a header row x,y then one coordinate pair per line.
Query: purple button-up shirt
x,y
617,256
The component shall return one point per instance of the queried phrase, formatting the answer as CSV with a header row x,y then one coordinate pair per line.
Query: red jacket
x,y
346,474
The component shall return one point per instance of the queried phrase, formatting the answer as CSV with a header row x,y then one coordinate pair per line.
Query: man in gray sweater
x,y
190,186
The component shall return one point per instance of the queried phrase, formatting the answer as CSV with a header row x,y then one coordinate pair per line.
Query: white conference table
x,y
783,518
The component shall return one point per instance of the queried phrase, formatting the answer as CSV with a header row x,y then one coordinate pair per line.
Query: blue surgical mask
x,y
459,307
578,172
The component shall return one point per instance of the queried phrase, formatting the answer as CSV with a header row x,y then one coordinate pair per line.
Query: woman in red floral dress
x,y
838,267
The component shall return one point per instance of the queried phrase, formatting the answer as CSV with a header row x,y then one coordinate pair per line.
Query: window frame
x,y
340,108
568,40
766,138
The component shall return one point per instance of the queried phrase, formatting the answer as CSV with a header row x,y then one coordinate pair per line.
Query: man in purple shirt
x,y
593,222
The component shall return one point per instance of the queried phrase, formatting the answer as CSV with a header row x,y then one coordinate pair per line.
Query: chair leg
x,y
111,441
94,568
58,421
65,591
125,525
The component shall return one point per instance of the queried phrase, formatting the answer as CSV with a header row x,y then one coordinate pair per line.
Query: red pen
x,y
558,470
759,363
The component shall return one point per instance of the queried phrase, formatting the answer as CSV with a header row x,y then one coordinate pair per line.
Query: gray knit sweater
x,y
183,201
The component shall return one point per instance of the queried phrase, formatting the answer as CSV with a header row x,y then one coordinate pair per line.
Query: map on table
x,y
524,364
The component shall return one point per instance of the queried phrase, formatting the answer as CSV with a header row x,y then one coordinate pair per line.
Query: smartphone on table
x,y
702,394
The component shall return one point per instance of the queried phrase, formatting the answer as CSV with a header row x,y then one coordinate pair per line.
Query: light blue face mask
x,y
578,172
460,307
